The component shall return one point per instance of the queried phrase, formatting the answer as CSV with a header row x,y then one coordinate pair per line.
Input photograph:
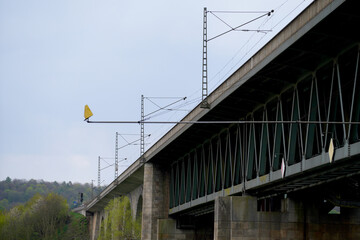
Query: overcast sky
x,y
56,56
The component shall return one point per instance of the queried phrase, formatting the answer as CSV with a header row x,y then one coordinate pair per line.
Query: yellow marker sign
x,y
87,112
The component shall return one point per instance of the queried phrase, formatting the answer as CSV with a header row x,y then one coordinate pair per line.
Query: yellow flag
x,y
87,112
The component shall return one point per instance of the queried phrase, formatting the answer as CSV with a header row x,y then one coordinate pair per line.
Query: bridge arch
x,y
136,201
138,213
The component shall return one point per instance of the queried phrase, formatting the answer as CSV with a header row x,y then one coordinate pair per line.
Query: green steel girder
x,y
225,160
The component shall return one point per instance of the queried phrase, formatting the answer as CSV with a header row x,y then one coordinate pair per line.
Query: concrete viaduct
x,y
293,155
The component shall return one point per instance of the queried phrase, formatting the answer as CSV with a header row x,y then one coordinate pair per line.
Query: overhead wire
x,y
235,55
276,9
124,138
217,11
197,100
105,161
246,54
162,97
289,12
163,108
176,108
271,29
107,167
157,133
132,143
221,20
162,127
250,38
252,20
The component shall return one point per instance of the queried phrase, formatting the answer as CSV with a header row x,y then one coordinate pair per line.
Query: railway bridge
x,y
279,152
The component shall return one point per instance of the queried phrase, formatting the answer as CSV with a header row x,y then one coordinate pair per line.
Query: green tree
x,y
40,218
3,221
29,192
50,214
8,180
4,204
119,223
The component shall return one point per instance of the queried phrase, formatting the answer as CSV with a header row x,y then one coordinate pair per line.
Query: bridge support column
x,y
94,225
155,199
237,217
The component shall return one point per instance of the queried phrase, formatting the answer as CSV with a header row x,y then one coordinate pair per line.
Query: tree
x,y
77,228
39,218
3,221
4,204
8,180
119,223
50,214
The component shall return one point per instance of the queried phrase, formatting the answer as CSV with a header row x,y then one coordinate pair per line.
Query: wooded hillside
x,y
17,191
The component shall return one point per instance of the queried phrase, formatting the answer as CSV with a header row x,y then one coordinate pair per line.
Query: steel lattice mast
x,y
142,140
204,87
116,156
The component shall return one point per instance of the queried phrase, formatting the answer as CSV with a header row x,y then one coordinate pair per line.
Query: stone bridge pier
x,y
95,222
156,223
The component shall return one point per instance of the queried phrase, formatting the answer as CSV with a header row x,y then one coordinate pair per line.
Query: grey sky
x,y
57,56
